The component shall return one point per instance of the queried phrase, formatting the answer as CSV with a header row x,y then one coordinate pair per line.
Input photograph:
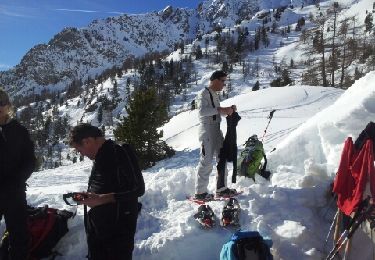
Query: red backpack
x,y
46,226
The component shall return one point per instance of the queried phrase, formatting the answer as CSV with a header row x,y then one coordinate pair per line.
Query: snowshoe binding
x,y
231,213
205,216
226,194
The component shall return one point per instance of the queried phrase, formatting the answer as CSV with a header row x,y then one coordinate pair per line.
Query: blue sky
x,y
25,23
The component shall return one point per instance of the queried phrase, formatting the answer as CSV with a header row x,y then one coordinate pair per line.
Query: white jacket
x,y
205,109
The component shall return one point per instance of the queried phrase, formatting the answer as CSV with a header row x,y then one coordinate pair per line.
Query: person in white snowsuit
x,y
210,135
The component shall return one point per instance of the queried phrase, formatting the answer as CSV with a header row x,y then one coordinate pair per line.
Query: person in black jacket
x,y
113,190
17,162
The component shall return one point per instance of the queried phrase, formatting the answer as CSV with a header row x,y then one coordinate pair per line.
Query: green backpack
x,y
250,161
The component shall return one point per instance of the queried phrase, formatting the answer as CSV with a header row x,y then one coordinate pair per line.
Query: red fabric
x,y
356,168
40,227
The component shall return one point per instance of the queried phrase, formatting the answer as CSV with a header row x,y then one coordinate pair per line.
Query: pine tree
x,y
198,52
127,87
146,113
115,89
369,22
100,114
256,86
285,77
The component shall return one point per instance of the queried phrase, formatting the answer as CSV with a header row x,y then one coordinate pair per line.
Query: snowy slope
x,y
290,209
166,228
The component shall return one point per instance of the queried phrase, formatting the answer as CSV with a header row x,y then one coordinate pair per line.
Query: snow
x,y
282,210
308,131
290,229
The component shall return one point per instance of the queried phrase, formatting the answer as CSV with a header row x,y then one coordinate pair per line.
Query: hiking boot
x,y
204,196
226,193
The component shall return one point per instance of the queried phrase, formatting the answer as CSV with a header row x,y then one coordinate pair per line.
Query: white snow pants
x,y
211,139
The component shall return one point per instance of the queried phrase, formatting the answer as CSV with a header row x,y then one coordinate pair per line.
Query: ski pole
x,y
349,234
270,116
346,231
357,219
332,225
344,234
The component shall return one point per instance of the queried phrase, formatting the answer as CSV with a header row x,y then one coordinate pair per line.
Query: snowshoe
x,y
231,213
217,197
227,194
205,216
200,200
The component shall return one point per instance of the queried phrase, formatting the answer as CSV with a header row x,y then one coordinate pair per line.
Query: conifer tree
x,y
100,114
369,22
198,52
146,113
256,86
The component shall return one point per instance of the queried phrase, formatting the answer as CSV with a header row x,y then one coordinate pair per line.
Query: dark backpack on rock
x,y
46,226
247,245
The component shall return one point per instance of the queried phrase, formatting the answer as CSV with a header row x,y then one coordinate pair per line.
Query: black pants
x,y
13,208
110,231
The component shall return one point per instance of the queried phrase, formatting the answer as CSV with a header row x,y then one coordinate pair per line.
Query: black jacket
x,y
113,172
17,158
367,133
229,150
111,227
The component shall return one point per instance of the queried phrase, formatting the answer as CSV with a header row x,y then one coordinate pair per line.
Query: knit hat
x,y
217,75
4,98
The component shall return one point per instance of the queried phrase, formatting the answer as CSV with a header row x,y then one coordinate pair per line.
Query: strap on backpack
x,y
139,186
212,102
263,172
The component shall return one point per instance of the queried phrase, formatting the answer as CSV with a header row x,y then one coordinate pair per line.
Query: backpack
x,y
134,167
367,133
250,161
247,245
46,227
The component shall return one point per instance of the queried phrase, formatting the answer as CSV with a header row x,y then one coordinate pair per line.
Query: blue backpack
x,y
247,245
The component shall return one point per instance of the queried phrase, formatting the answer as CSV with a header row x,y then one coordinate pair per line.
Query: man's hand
x,y
227,110
92,200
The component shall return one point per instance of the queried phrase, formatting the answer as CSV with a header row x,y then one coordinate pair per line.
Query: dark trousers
x,y
110,231
13,208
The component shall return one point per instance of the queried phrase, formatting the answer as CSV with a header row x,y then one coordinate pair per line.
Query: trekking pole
x,y
348,235
331,227
356,221
270,116
341,239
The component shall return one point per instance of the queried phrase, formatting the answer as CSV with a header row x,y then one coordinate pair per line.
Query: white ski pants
x,y
211,139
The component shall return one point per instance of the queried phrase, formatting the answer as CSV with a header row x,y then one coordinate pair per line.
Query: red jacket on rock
x,y
355,170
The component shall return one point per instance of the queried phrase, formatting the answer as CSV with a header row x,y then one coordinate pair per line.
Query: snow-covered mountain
x,y
80,53
42,93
